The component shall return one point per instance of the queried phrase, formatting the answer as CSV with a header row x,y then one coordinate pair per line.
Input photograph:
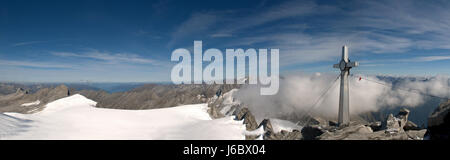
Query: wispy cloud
x,y
225,23
196,23
34,64
316,31
427,59
221,35
378,62
109,57
284,10
27,43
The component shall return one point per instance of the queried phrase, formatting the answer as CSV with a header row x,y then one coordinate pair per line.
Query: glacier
x,y
76,117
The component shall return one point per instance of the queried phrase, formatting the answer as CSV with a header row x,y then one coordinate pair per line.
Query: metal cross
x,y
344,65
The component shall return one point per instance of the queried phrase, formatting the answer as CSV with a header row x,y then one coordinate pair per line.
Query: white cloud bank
x,y
299,93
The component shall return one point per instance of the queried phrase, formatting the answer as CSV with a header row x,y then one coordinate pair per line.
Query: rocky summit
x,y
396,127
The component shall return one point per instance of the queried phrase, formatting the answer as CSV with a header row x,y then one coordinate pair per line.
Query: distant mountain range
x,y
20,97
8,88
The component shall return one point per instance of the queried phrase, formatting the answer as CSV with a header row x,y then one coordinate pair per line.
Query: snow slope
x,y
75,117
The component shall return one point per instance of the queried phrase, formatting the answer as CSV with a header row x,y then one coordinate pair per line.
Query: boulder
x,y
416,134
333,123
375,126
411,126
311,132
403,116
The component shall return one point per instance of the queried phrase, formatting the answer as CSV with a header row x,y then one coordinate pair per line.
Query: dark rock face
x,y
439,122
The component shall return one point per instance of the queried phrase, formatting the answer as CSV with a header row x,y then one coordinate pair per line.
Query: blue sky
x,y
131,41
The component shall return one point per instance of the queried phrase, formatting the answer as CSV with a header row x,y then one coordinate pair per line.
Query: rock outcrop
x,y
351,132
248,118
393,128
220,106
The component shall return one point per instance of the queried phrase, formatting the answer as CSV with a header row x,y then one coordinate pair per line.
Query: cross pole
x,y
344,65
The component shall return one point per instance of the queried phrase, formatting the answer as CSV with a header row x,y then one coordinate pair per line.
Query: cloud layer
x,y
299,94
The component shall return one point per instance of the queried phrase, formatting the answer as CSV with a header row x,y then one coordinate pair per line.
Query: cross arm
x,y
353,64
336,65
